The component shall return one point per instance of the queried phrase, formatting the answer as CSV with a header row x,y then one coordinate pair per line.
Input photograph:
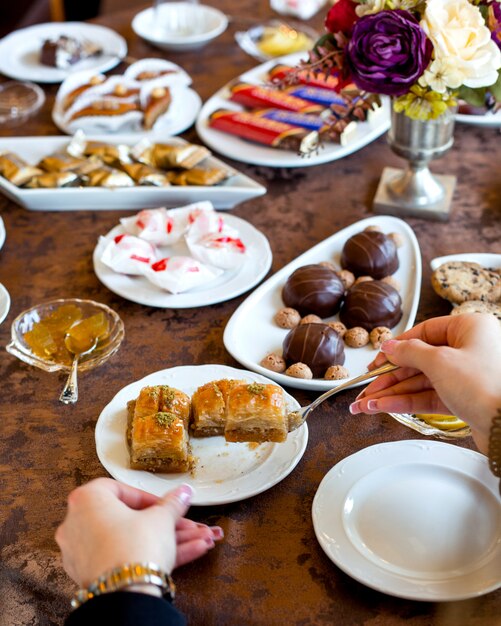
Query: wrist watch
x,y
125,576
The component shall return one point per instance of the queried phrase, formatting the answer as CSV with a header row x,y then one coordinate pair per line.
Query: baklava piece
x,y
159,432
256,412
209,407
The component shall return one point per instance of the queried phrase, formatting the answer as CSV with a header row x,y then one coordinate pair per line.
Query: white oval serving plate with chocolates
x,y
252,333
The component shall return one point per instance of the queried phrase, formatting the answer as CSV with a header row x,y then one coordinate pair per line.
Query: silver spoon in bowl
x,y
299,417
69,394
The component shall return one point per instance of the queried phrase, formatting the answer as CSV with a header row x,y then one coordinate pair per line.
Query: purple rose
x,y
387,53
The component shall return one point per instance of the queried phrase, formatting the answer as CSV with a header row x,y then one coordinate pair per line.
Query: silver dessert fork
x,y
298,418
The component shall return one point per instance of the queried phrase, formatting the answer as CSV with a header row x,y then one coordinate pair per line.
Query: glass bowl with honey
x,y
39,334
441,426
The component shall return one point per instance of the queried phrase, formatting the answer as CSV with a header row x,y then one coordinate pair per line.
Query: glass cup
x,y
176,19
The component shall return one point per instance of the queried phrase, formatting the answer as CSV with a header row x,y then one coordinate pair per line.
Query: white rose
x,y
462,40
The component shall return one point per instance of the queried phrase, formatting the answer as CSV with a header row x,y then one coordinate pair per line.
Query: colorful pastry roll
x,y
180,273
158,430
208,405
259,97
155,226
261,130
306,77
256,412
304,120
16,170
127,254
324,97
52,180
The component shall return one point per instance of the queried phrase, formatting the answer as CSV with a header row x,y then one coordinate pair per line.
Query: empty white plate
x,y
415,519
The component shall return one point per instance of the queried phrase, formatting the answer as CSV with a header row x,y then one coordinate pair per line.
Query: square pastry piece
x,y
209,407
158,430
256,412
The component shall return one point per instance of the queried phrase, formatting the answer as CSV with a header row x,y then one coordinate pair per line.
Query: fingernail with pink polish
x,y
372,405
354,408
388,346
210,542
217,532
185,493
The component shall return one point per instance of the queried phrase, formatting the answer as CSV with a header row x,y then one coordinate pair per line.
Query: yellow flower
x,y
422,104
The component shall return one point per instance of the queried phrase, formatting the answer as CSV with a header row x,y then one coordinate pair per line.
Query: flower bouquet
x,y
425,54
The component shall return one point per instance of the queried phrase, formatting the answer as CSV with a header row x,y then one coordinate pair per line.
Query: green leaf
x,y
476,97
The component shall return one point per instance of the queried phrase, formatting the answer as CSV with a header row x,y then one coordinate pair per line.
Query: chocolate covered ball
x,y
370,253
316,345
371,304
314,289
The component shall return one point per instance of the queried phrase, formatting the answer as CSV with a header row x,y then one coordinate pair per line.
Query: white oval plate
x,y
230,284
255,154
2,233
20,51
225,472
183,111
251,332
489,120
4,303
485,259
415,519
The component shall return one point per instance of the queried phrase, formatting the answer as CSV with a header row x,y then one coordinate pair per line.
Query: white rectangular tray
x,y
231,192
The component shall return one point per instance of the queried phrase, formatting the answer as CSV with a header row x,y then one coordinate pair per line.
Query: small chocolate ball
x,y
274,362
316,345
314,289
336,372
299,370
370,253
287,318
370,304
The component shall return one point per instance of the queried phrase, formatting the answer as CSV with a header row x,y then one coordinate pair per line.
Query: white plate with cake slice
x,y
252,333
20,51
224,472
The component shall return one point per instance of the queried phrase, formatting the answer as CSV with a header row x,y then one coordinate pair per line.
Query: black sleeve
x,y
126,608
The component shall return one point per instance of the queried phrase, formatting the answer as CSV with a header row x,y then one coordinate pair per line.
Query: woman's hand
x,y
109,524
449,365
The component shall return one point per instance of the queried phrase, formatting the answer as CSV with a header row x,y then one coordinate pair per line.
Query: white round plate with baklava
x,y
224,472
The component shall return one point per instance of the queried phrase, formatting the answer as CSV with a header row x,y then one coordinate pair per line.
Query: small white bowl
x,y
179,25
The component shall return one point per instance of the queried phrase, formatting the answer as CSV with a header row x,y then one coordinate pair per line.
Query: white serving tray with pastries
x,y
224,472
485,259
248,152
252,333
235,189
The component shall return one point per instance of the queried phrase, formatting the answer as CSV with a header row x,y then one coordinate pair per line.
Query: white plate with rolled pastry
x,y
151,95
223,472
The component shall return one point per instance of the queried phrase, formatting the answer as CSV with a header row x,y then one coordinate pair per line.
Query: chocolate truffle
x,y
314,289
371,304
316,345
370,253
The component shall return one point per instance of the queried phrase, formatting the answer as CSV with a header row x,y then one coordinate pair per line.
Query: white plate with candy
x,y
158,258
248,152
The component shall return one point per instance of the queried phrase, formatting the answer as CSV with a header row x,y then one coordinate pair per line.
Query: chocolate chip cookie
x,y
460,281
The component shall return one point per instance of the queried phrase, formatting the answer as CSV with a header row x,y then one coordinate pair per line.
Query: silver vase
x,y
415,191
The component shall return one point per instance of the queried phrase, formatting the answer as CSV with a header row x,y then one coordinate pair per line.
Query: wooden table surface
x,y
270,570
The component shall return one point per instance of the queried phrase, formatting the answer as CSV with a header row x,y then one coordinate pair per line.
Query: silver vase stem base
x,y
386,203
